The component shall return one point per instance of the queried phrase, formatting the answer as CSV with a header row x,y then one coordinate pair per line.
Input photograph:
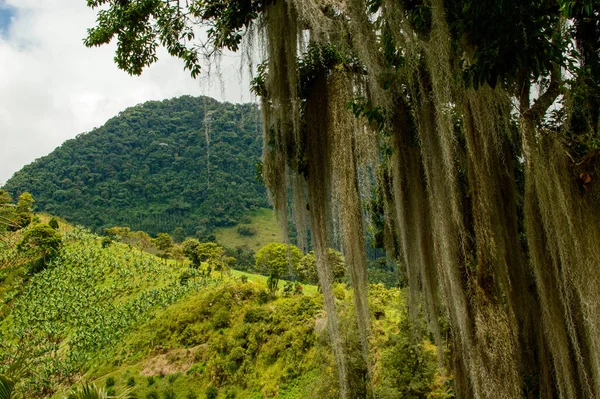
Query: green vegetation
x,y
307,268
41,243
262,221
84,302
479,121
122,320
181,164
14,217
277,260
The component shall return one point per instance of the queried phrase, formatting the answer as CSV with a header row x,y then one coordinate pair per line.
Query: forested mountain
x,y
186,162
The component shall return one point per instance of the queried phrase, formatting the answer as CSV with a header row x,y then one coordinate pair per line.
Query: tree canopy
x,y
307,268
42,244
277,260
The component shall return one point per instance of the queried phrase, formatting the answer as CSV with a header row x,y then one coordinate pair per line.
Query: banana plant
x,y
6,387
9,379
90,391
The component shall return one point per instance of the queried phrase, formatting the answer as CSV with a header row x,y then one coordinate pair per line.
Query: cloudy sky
x,y
52,87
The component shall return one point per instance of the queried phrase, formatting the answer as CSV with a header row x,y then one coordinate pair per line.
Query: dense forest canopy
x,y
479,122
186,162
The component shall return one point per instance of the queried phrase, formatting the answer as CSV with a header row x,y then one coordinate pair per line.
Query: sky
x,y
53,88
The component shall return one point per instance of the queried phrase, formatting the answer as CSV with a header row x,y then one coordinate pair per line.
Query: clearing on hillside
x,y
263,221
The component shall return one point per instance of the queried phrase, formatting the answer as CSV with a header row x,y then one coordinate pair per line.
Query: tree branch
x,y
541,105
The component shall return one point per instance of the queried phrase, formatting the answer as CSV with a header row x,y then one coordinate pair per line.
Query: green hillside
x,y
186,162
124,319
262,225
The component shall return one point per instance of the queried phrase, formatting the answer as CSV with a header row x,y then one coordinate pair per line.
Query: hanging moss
x,y
471,249
319,195
563,234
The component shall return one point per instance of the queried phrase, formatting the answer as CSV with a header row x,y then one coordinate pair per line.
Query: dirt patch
x,y
173,361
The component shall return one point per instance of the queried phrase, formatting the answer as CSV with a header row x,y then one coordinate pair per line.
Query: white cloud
x,y
53,88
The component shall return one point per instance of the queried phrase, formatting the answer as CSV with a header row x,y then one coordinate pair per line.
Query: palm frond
x,y
6,387
90,391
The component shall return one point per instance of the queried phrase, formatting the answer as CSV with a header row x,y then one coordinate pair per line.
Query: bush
x,y
263,297
131,382
191,395
42,242
53,223
106,242
110,382
246,231
244,257
152,395
169,393
256,315
211,392
184,277
150,380
221,319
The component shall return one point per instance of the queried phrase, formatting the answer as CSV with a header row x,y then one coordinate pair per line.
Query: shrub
x,y
42,242
263,297
131,382
169,393
244,279
255,315
106,242
237,356
246,231
184,277
110,382
288,288
150,380
221,319
211,393
152,395
191,395
53,223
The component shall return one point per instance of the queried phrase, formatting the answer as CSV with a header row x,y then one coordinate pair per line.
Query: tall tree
x,y
488,135
23,212
42,244
276,261
164,243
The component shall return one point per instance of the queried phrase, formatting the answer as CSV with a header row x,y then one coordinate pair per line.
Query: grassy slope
x,y
115,313
266,225
94,302
189,347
